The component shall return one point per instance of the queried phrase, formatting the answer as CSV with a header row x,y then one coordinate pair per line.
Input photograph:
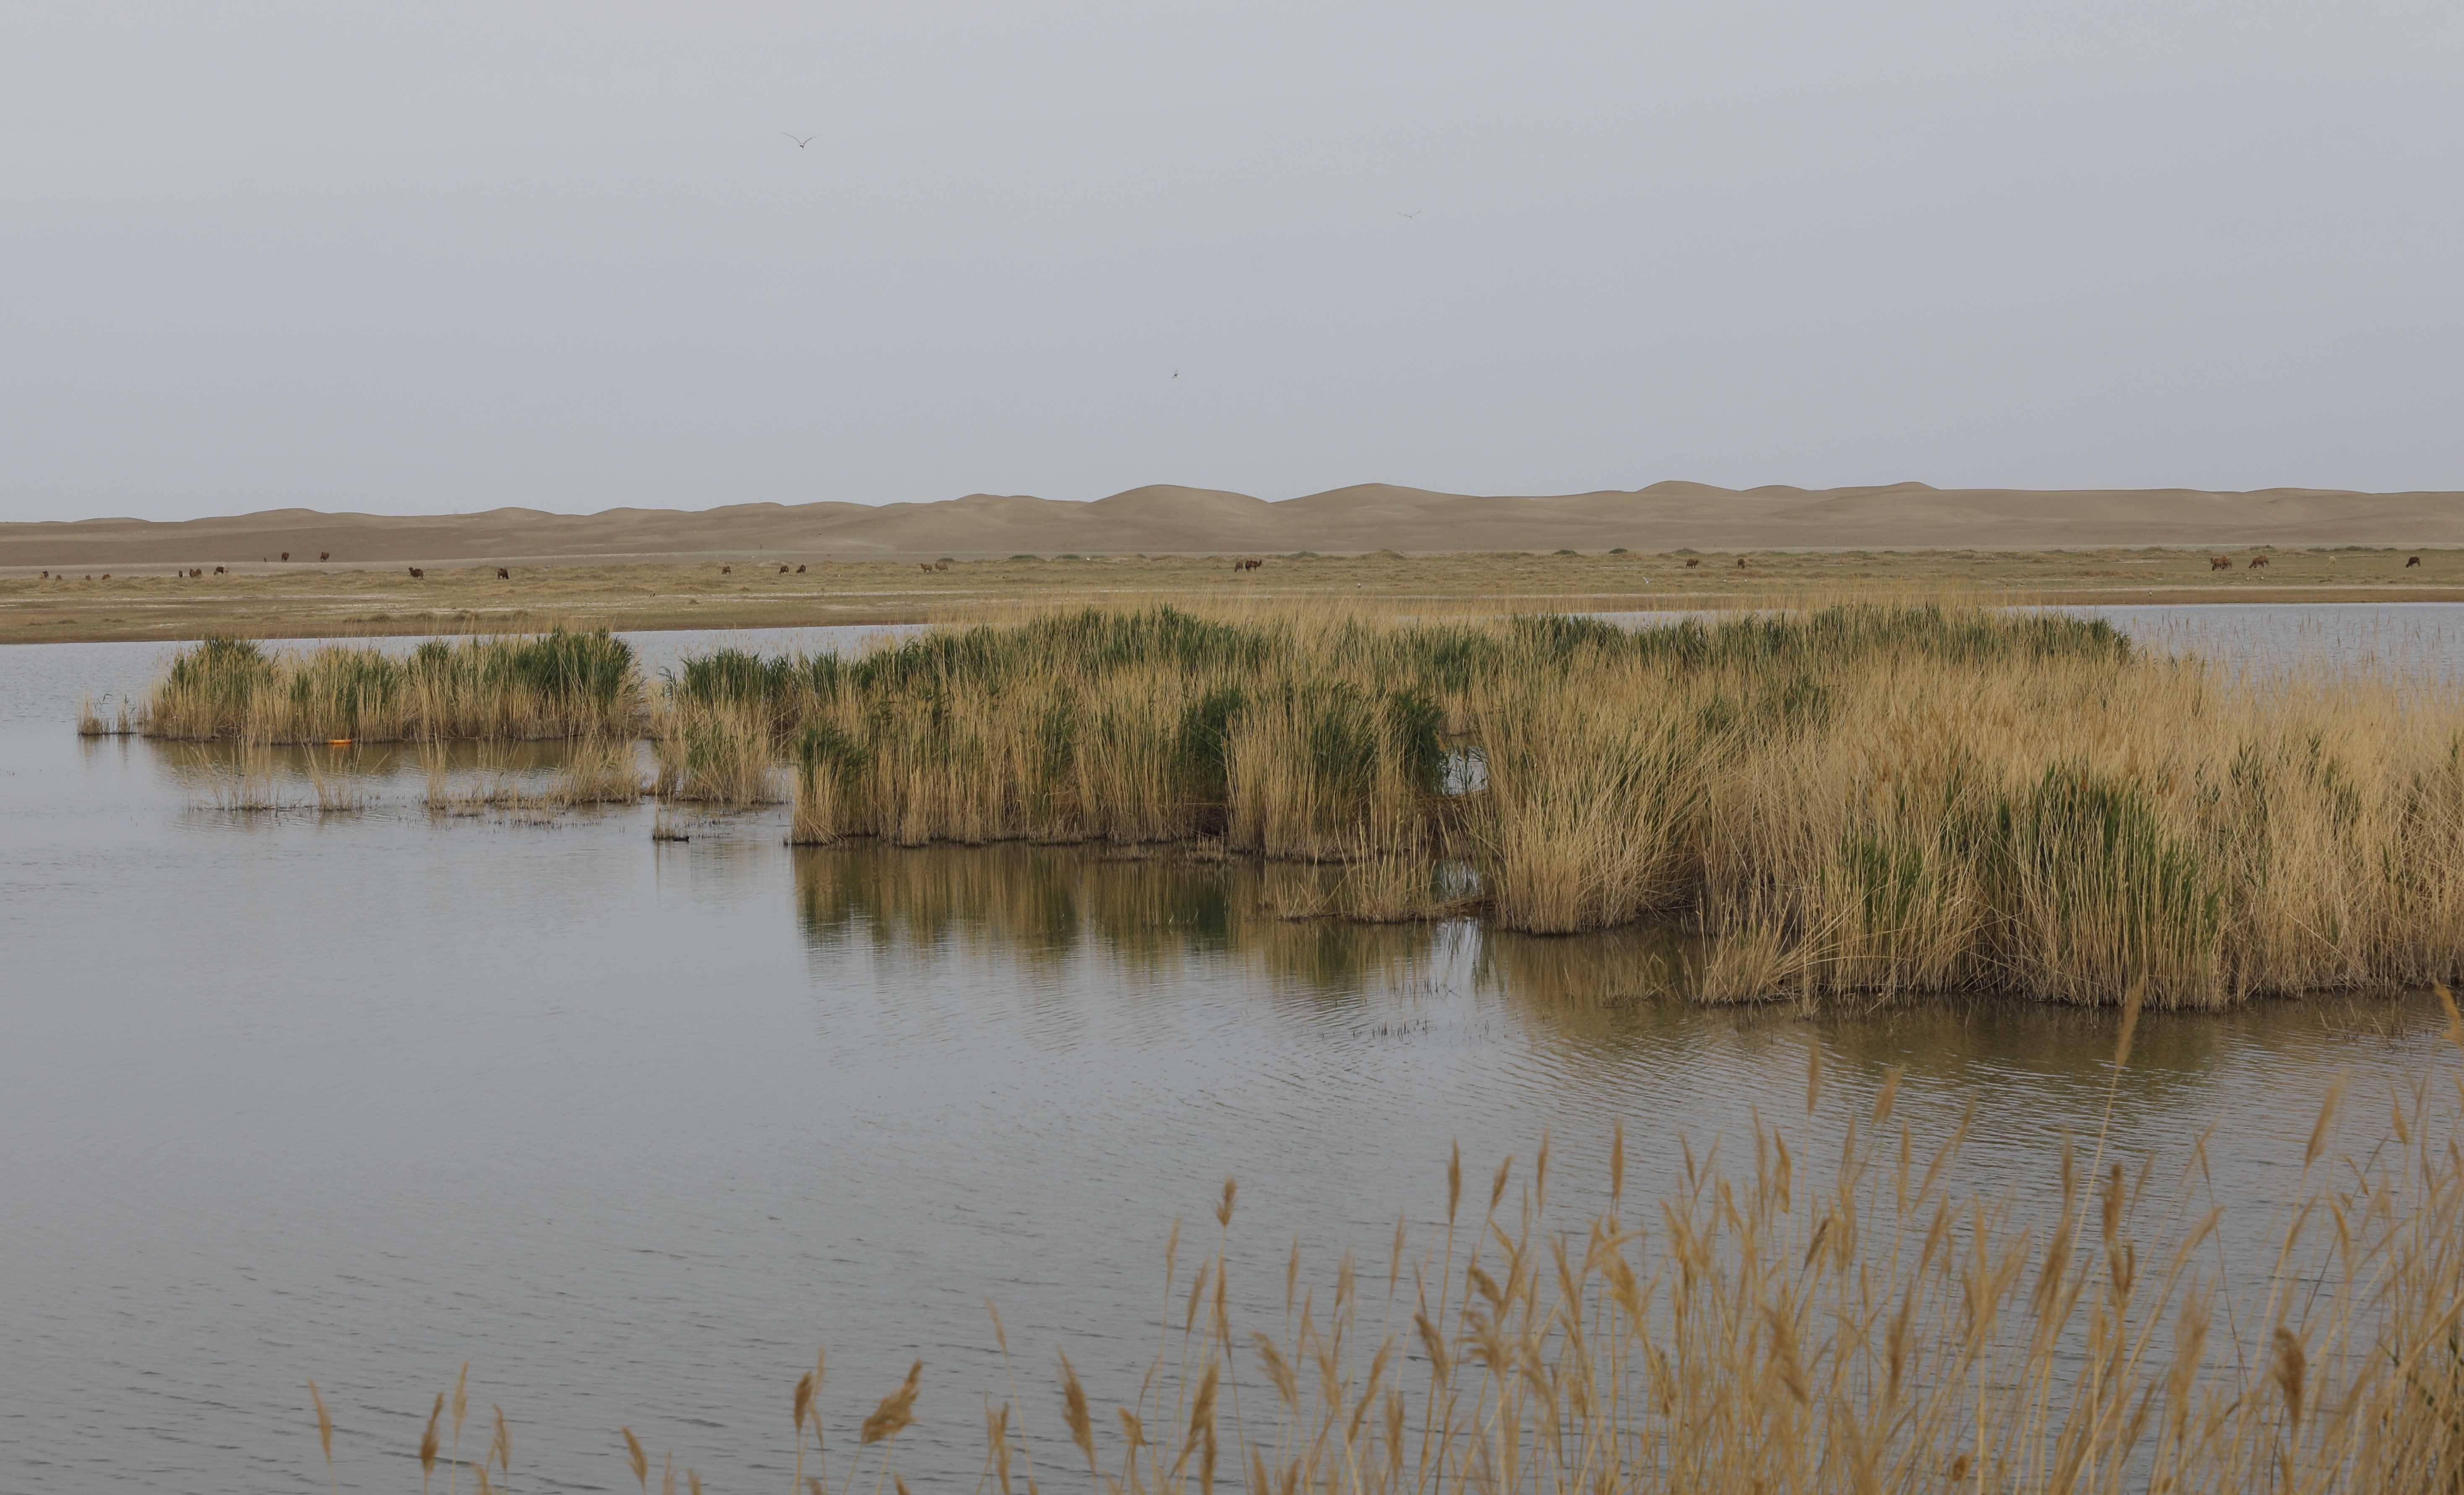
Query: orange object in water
x,y
337,743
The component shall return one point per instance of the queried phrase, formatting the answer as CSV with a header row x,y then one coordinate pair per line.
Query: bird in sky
x,y
801,142
1176,373
1414,213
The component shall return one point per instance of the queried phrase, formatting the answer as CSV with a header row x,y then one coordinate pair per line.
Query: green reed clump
x,y
554,685
208,687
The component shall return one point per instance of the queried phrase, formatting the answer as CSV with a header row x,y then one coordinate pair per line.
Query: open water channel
x,y
630,1126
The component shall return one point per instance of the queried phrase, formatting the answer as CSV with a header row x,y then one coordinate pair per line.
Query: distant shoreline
x,y
338,599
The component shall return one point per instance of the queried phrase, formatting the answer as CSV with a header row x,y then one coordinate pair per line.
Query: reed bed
x,y
1864,801
551,685
1835,1305
1855,801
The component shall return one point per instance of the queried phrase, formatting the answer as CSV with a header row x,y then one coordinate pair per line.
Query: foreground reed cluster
x,y
552,685
1842,1309
1854,800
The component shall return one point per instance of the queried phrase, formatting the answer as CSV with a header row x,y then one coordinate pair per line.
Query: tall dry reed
x,y
1841,1304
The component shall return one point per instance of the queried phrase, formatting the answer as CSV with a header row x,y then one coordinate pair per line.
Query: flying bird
x,y
1176,373
1414,213
800,142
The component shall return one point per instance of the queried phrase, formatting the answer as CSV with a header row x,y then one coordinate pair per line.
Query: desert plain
x,y
753,565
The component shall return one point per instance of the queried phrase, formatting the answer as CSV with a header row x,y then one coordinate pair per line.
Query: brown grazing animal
x,y
923,565
286,554
1248,564
724,570
799,570
503,575
324,555
2256,561
218,571
415,573
940,565
2220,563
1692,562
2412,560
1741,562
47,576
783,570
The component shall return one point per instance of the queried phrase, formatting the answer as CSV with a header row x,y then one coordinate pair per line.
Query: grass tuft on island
x,y
549,685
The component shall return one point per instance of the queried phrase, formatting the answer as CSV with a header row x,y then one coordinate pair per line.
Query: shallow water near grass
x,y
630,1126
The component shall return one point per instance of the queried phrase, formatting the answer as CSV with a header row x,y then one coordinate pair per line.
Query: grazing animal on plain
x,y
286,554
106,576
1248,564
2256,561
922,565
218,571
1691,564
2412,560
724,570
2220,563
503,575
197,570
47,576
324,555
1741,562
415,573
799,570
783,570
940,565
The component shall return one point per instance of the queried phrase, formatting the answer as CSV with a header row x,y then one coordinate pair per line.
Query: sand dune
x,y
1168,520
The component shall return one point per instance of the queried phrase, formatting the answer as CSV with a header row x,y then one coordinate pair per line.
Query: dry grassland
x,y
307,600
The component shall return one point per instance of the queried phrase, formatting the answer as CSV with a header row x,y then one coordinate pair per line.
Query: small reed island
x,y
1861,800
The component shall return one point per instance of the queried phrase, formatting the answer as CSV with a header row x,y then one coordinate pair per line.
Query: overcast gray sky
x,y
447,256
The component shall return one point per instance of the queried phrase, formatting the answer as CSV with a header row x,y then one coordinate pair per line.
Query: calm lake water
x,y
631,1126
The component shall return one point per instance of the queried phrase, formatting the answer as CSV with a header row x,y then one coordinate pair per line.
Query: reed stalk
x,y
1840,1304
